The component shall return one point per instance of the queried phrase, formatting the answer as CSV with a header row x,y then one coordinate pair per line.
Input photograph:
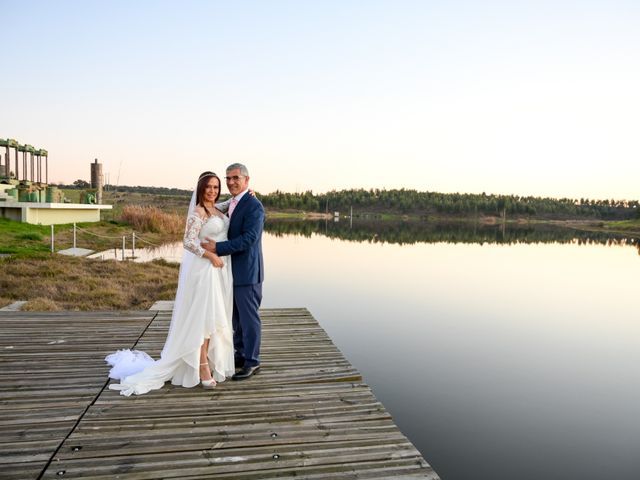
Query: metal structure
x,y
25,193
31,170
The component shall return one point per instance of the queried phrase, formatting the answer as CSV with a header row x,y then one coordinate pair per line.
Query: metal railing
x,y
134,237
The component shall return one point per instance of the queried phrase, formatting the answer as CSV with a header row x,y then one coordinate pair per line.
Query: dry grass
x,y
152,219
42,305
69,283
55,282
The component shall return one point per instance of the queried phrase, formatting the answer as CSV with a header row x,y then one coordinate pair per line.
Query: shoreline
x,y
625,227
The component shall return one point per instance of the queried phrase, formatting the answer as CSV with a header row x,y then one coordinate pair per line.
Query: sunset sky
x,y
525,97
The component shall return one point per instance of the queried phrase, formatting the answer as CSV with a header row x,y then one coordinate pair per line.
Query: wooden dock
x,y
307,415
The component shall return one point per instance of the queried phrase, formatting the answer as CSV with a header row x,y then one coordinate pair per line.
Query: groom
x,y
244,244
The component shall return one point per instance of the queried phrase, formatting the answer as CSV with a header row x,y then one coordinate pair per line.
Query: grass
x,y
71,195
23,239
55,282
69,283
50,282
118,200
167,203
30,236
624,225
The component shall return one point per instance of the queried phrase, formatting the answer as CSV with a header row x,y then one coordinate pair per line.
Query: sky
x,y
507,97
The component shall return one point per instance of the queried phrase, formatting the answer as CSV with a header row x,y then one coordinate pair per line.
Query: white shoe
x,y
207,383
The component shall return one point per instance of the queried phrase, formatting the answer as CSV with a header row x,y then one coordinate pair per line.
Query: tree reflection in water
x,y
413,231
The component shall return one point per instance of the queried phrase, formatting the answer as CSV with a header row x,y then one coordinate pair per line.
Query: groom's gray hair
x,y
243,169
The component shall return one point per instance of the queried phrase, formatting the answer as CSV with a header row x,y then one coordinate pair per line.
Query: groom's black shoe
x,y
246,372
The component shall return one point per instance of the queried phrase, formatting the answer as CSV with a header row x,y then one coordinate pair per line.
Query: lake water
x,y
502,353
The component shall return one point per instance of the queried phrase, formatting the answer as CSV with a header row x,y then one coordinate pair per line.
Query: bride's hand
x,y
216,261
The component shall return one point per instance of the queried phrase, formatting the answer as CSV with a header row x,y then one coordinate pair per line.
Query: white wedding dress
x,y
203,309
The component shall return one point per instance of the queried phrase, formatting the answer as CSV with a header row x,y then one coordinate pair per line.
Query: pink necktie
x,y
232,206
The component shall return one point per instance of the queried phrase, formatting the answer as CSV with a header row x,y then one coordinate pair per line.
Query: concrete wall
x,y
52,213
52,216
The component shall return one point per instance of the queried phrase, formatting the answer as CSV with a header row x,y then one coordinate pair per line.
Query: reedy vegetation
x,y
152,219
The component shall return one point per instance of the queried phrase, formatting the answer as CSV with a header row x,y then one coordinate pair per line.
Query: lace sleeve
x,y
191,241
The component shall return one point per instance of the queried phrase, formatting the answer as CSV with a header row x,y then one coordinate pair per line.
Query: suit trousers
x,y
247,327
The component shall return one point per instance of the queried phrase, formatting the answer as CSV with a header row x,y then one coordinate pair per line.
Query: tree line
x,y
83,184
406,201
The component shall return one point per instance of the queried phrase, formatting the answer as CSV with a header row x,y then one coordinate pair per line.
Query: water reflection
x,y
502,363
402,233
410,232
170,252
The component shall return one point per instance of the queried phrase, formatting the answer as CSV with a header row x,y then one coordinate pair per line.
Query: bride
x,y
199,345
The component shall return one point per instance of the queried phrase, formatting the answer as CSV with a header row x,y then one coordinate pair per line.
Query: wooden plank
x,y
215,461
308,413
52,369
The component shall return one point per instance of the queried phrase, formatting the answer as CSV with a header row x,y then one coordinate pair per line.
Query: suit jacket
x,y
244,242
